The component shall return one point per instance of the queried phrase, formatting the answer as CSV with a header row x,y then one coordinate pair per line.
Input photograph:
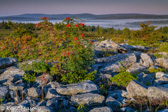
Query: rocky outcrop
x,y
82,87
114,63
87,99
162,62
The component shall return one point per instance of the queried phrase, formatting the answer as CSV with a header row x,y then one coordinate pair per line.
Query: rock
x,y
39,82
12,74
115,63
137,68
16,87
14,96
82,87
165,85
6,62
140,48
2,108
53,103
8,106
34,92
126,109
42,109
52,94
113,103
29,62
157,92
135,88
19,108
162,62
146,79
4,90
101,109
87,99
146,60
160,75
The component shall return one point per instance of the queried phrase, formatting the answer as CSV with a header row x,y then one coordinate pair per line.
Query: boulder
x,y
82,87
126,109
6,62
42,109
113,103
136,68
87,99
146,60
52,94
157,92
115,63
160,75
162,62
12,73
34,92
19,108
101,109
135,88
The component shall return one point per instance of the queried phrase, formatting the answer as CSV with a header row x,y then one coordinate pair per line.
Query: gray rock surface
x,y
136,88
5,62
114,63
101,109
88,99
157,92
146,60
52,94
162,62
113,103
34,92
12,73
82,87
4,90
146,79
136,68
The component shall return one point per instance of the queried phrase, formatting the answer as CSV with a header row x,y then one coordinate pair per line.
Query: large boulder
x,y
87,99
82,87
52,94
146,79
157,92
5,62
101,109
136,88
115,63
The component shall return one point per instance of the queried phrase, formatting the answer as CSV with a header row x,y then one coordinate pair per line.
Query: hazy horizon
x,y
17,7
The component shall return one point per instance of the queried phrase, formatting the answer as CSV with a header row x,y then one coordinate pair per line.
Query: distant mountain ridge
x,y
83,16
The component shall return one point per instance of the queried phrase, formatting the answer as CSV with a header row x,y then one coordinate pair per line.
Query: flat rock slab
x,y
11,73
157,92
5,62
101,109
136,68
82,87
114,63
87,99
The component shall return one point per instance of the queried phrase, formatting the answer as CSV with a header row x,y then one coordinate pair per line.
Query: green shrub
x,y
29,77
164,47
73,77
38,67
123,78
153,70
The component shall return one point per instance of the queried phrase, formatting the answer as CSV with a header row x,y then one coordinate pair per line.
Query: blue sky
x,y
15,7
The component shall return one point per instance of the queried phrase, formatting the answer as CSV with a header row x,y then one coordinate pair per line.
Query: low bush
x,y
123,78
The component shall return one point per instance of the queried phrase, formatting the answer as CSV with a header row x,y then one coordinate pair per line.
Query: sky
x,y
16,7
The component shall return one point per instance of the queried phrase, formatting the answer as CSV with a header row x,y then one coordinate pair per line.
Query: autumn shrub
x,y
68,51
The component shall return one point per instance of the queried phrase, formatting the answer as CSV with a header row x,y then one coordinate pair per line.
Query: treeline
x,y
147,32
